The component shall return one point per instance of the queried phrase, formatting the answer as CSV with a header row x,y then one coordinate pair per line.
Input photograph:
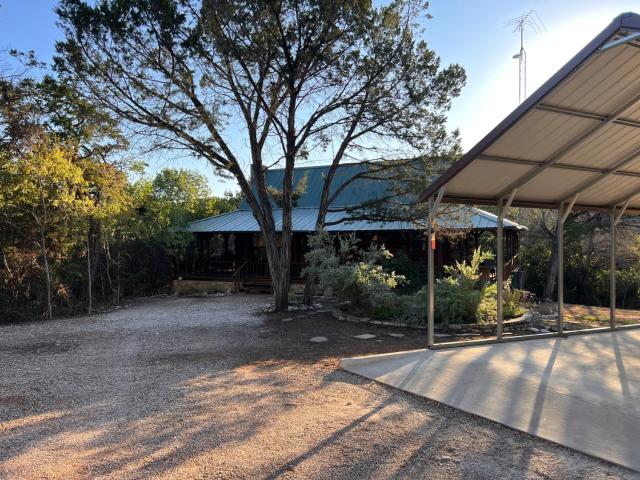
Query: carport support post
x,y
430,296
563,213
502,210
560,243
433,206
615,219
612,271
499,270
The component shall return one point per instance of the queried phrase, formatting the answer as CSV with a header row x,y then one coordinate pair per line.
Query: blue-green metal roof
x,y
356,193
304,220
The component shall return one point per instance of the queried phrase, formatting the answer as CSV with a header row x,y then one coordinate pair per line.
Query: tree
x,y
105,198
45,189
289,76
33,110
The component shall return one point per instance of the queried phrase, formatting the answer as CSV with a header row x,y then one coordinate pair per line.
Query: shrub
x,y
455,303
360,277
415,274
511,307
350,273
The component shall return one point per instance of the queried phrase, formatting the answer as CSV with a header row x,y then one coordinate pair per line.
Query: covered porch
x,y
241,256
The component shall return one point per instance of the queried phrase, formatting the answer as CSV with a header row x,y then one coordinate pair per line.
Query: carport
x,y
572,145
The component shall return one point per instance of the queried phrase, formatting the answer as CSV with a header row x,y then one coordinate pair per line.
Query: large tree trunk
x,y
552,271
279,282
45,260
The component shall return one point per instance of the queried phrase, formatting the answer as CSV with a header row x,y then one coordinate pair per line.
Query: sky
x,y
468,32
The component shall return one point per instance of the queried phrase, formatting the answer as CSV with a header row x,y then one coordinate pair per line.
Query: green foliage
x,y
135,229
512,306
149,235
468,274
455,302
534,260
415,274
460,293
361,278
350,273
72,225
586,262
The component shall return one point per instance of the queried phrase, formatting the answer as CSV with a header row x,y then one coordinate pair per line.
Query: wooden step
x,y
256,286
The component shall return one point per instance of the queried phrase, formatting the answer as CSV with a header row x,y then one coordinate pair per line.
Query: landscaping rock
x,y
538,323
396,335
318,339
548,308
533,330
364,336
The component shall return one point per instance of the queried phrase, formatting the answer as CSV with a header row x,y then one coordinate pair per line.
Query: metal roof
x,y
575,140
354,190
304,220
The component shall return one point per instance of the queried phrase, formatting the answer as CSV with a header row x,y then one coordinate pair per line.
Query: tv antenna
x,y
532,20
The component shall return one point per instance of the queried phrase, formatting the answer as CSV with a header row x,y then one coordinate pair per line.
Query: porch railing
x,y
234,270
207,268
260,271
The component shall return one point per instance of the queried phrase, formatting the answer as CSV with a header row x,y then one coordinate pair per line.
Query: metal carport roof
x,y
576,140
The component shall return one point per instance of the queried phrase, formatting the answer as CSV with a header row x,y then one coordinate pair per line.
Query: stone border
x,y
515,325
345,317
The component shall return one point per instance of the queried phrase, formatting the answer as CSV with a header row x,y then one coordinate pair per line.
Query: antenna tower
x,y
532,20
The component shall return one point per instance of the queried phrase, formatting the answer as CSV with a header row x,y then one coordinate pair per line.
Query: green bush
x,y
512,304
455,303
350,273
415,274
360,277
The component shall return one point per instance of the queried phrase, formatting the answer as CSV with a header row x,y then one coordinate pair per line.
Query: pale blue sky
x,y
468,32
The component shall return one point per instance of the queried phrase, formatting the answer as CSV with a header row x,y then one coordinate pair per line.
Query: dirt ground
x,y
589,317
206,388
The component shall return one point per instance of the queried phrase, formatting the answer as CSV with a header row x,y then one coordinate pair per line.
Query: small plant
x,y
512,304
468,274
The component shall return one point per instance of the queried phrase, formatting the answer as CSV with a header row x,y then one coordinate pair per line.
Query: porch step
x,y
256,286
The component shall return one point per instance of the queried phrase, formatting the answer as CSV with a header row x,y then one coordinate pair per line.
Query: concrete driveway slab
x,y
582,392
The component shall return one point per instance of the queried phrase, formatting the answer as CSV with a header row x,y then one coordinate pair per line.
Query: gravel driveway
x,y
205,388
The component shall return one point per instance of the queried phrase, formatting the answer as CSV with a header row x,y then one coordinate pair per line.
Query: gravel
x,y
175,387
